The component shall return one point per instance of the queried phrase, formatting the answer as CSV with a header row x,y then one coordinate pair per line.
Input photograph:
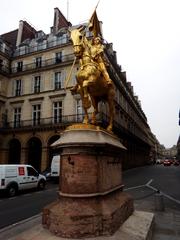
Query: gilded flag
x,y
94,25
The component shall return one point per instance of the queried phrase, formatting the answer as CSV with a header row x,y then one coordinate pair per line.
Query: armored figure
x,y
97,54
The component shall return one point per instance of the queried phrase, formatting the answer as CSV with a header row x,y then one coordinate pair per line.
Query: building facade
x,y
35,106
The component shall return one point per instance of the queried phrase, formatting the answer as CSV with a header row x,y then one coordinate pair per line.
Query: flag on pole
x,y
94,25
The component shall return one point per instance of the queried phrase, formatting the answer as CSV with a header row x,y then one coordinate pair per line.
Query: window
x,y
57,112
19,66
58,57
37,84
79,110
31,172
1,63
57,80
38,62
17,87
17,117
36,114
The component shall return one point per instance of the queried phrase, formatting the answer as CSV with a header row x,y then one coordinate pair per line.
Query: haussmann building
x,y
35,107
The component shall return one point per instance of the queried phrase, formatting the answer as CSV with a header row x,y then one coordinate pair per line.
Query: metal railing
x,y
62,120
66,120
44,63
22,50
4,69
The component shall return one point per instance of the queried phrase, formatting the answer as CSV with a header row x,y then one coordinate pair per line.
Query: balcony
x,y
44,64
41,123
4,70
47,44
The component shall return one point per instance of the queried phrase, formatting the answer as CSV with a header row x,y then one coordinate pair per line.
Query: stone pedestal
x,y
91,201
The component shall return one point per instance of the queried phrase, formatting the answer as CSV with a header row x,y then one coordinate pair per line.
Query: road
x,y
25,205
164,178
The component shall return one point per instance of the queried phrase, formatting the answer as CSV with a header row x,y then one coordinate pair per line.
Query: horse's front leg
x,y
95,111
84,104
86,117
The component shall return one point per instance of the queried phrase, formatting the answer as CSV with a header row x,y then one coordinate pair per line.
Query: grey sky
x,y
146,36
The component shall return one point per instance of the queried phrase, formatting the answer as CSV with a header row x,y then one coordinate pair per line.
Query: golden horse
x,y
91,84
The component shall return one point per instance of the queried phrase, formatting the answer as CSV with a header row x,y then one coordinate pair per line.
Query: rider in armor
x,y
97,54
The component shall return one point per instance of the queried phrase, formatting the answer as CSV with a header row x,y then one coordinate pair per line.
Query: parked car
x,y
176,163
16,177
167,162
47,173
55,167
158,161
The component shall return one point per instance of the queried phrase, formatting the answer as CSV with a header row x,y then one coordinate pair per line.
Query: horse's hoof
x,y
93,122
85,121
109,128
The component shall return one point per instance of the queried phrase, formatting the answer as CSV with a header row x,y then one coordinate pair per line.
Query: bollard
x,y
159,201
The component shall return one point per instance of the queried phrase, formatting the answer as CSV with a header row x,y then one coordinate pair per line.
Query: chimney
x,y
59,21
56,20
20,31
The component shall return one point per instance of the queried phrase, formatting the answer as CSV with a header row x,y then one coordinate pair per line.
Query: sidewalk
x,y
167,222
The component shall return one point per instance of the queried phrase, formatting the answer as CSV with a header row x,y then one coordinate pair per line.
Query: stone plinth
x,y
91,202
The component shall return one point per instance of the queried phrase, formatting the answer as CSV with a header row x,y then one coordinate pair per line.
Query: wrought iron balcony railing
x,y
44,63
42,122
66,120
26,49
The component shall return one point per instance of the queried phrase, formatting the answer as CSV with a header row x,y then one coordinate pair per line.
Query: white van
x,y
55,167
15,177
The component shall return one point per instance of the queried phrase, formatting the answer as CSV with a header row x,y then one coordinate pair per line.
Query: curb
x,y
19,227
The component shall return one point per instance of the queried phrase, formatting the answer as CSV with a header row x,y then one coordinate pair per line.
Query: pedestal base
x,y
88,217
91,201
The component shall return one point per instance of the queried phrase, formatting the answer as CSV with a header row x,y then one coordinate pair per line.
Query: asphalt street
x,y
142,183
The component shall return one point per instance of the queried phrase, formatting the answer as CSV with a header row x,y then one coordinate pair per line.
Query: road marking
x,y
148,183
154,189
140,186
164,194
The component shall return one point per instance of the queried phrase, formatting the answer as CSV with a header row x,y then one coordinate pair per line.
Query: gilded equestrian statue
x,y
93,82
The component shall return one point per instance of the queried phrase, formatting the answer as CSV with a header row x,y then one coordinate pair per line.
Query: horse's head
x,y
77,37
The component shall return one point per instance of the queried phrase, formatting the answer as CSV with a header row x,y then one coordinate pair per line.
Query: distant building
x,y
35,108
170,152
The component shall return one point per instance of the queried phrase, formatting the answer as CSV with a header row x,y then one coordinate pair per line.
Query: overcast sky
x,y
146,36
